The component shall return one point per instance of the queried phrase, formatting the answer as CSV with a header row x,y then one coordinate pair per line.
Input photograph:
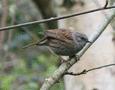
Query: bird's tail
x,y
43,41
30,45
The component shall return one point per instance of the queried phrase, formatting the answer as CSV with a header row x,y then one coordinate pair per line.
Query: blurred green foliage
x,y
23,78
25,69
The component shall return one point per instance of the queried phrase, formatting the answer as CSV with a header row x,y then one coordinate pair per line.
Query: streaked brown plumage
x,y
63,42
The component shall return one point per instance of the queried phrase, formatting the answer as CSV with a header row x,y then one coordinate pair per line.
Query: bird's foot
x,y
62,60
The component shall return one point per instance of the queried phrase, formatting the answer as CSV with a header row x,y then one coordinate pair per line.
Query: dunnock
x,y
63,42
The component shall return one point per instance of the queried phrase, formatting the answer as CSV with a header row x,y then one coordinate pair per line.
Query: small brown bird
x,y
63,42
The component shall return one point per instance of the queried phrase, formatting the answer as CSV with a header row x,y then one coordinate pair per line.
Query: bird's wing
x,y
60,34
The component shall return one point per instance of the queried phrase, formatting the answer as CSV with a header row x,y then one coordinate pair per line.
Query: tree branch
x,y
65,66
89,70
55,18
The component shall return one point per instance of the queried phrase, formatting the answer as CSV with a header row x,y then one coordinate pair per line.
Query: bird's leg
x,y
62,60
76,57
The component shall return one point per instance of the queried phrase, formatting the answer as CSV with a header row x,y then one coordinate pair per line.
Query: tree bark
x,y
4,18
101,53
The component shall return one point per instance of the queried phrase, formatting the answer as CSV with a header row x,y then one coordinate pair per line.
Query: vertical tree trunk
x,y
3,20
101,53
47,11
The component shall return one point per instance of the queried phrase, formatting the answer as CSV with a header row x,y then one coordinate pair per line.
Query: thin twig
x,y
54,18
106,4
89,70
